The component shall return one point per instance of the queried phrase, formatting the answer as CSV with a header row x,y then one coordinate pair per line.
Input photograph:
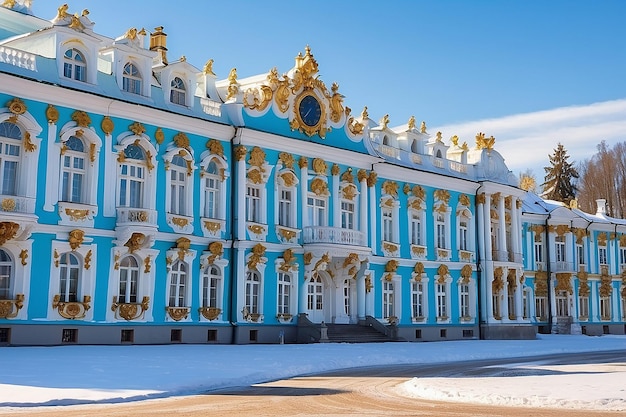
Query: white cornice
x,y
249,137
429,179
73,99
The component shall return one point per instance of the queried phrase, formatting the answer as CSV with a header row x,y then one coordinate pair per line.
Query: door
x,y
315,299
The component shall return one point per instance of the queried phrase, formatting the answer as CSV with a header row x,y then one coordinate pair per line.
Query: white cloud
x,y
525,140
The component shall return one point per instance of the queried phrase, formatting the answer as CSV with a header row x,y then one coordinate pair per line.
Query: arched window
x,y
6,276
129,279
284,293
131,79
178,284
178,185
211,287
73,171
414,146
69,279
212,191
74,65
253,284
178,92
10,157
438,155
386,141
132,177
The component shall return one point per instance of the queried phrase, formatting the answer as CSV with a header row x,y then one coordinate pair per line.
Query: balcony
x,y
334,235
127,216
500,255
389,151
18,58
515,257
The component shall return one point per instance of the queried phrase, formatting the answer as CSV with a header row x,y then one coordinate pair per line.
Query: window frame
x,y
132,81
72,64
178,94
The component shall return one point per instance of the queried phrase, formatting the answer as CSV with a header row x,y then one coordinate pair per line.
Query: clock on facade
x,y
310,110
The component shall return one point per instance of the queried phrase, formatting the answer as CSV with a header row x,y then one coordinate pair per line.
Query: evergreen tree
x,y
560,177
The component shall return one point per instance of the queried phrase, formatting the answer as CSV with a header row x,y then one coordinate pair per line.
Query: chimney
x,y
158,40
601,203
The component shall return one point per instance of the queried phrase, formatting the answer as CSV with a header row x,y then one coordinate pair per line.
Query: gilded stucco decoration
x,y
183,244
159,136
256,256
16,106
257,158
217,250
583,284
602,239
347,176
280,87
52,114
466,273
135,242
606,287
349,192
419,271
623,293
538,230
319,187
507,202
497,284
208,67
442,195
308,257
181,140
390,188
371,179
287,159
81,118
355,127
71,310
288,178
8,230
368,283
289,261
88,259
23,256
257,98
541,283
353,263
336,104
240,152
76,238
319,166
322,263
511,278
334,170
580,233
390,247
560,229
10,308
137,128
443,271
233,86
481,198
563,282
147,264
622,240
464,200
130,311
303,162
484,143
390,268
361,175
29,146
411,123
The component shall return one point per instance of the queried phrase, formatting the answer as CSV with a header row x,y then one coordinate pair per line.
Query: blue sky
x,y
532,73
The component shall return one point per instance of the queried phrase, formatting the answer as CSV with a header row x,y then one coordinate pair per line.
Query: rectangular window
x,y
388,307
131,186
347,215
559,242
317,211
463,235
583,307
562,309
443,333
468,333
211,335
284,293
127,336
387,225
211,198
69,336
622,257
541,309
605,308
9,160
417,300
465,300
177,191
580,256
441,232
253,204
416,229
176,335
5,335
418,333
539,265
254,335
442,311
284,208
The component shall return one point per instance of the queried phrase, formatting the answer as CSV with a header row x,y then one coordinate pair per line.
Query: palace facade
x,y
148,201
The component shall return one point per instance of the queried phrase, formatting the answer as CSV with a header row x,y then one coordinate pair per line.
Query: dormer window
x,y
178,92
438,155
74,65
131,79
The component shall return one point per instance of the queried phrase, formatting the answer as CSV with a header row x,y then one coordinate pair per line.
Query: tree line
x,y
603,176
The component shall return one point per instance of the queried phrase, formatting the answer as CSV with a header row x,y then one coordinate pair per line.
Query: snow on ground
x,y
61,375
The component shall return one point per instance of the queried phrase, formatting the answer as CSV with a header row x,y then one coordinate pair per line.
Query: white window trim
x,y
292,271
425,296
241,298
187,256
21,274
186,226
279,187
447,283
397,296
206,159
221,264
471,283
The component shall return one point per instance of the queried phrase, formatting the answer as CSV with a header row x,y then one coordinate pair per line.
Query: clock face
x,y
310,111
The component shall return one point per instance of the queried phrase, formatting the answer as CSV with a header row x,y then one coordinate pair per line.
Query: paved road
x,y
354,392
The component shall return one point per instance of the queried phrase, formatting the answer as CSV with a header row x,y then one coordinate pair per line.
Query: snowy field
x,y
42,376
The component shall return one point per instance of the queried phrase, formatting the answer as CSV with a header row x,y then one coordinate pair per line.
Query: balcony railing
x,y
389,151
336,235
18,58
562,266
515,257
500,255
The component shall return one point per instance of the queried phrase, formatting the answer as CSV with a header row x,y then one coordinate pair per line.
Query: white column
x,y
363,207
241,199
336,202
504,306
361,296
502,226
304,194
373,220
52,171
519,299
480,216
110,177
516,233
552,297
487,229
